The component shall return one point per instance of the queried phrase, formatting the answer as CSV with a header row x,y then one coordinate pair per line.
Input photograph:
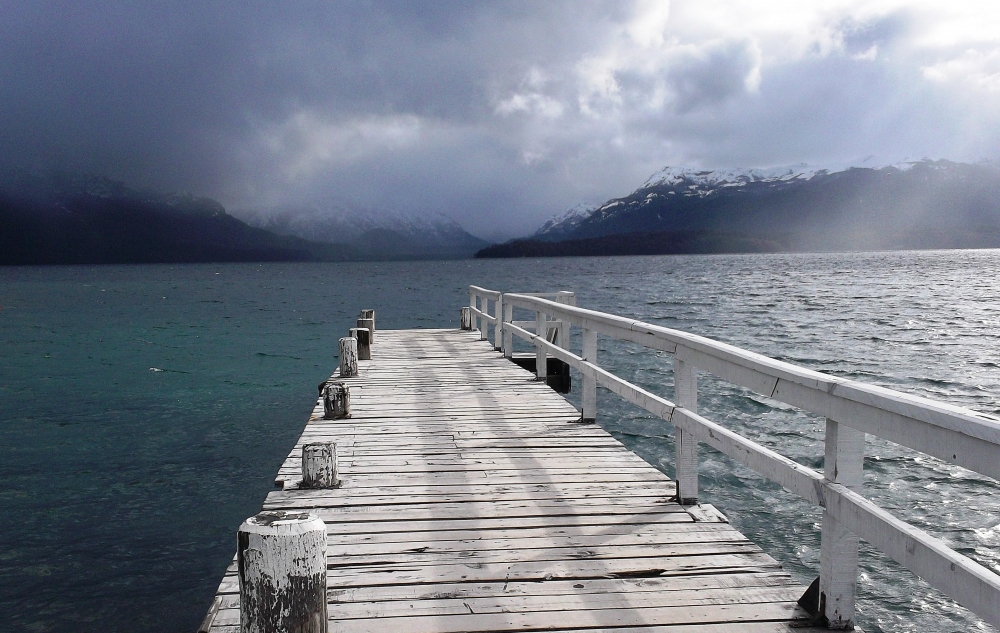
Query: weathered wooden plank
x,y
576,587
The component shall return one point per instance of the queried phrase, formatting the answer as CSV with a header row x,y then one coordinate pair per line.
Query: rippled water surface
x,y
145,409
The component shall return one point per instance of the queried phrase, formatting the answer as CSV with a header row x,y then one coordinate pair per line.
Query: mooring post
x,y
364,338
369,314
466,318
838,557
336,401
319,465
281,558
685,444
368,324
348,357
541,360
589,413
498,326
508,336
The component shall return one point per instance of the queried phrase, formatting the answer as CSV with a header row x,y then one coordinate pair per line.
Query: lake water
x,y
145,409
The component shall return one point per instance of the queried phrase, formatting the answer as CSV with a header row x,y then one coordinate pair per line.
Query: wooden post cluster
x,y
364,337
348,357
319,465
838,558
336,401
281,558
466,318
685,444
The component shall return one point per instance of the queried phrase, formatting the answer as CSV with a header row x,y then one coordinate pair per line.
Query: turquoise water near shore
x,y
145,409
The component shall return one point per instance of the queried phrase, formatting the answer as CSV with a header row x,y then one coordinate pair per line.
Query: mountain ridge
x,y
917,204
72,218
87,219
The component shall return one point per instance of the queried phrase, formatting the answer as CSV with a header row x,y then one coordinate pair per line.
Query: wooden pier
x,y
475,499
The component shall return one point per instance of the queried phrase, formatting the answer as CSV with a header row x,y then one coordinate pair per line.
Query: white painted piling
x,y
348,357
281,559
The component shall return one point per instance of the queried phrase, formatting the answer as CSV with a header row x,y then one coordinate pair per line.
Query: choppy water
x,y
121,487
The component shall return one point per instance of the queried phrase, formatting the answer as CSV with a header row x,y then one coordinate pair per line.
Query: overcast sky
x,y
498,115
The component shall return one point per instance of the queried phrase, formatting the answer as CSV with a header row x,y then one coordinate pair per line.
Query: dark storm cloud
x,y
497,114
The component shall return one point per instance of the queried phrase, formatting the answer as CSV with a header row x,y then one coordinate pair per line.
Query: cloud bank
x,y
498,115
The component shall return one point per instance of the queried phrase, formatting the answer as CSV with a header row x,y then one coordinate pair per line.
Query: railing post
x,y
485,303
508,336
838,558
498,326
589,413
685,444
541,365
472,304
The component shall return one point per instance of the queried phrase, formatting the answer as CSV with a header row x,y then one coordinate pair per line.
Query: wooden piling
x,y
368,324
281,558
466,318
319,465
336,401
368,314
364,338
348,357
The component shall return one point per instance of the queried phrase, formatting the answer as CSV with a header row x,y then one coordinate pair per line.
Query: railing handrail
x,y
768,373
483,292
952,433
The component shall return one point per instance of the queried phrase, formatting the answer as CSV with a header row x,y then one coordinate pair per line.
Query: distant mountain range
x,y
83,219
372,234
77,219
921,204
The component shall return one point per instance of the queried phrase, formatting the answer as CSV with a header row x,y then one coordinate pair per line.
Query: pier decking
x,y
474,499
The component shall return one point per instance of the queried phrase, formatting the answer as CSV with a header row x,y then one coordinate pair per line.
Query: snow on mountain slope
x,y
678,183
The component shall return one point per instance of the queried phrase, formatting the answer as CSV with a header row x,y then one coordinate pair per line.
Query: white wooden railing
x,y
852,409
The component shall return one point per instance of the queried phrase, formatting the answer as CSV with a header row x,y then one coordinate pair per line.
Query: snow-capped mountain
x,y
568,219
375,232
913,204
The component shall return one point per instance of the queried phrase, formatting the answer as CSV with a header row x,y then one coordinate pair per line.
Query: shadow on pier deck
x,y
475,500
